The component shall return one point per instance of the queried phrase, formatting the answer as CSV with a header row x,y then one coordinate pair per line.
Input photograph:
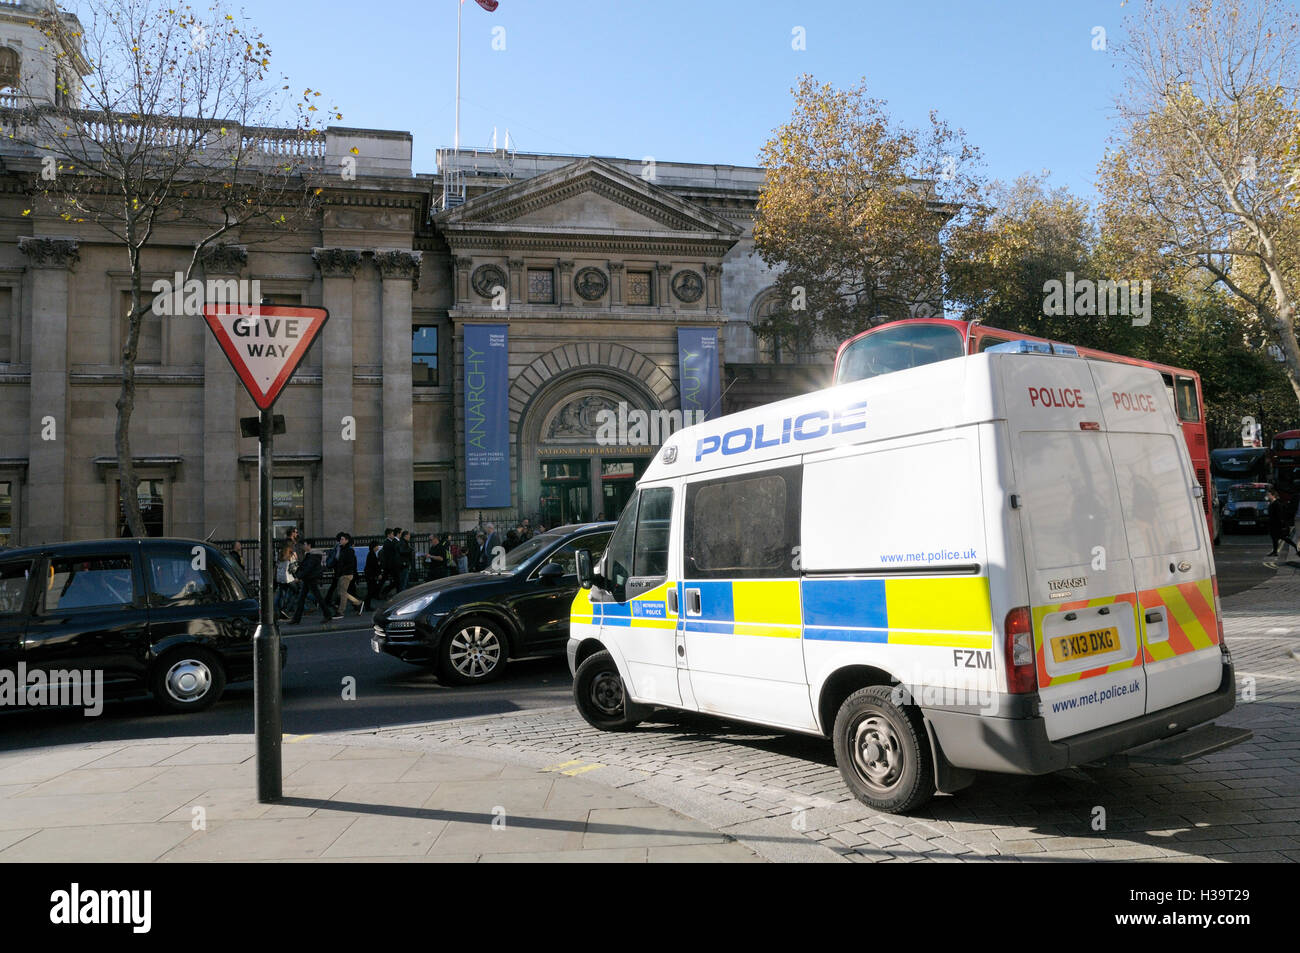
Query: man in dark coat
x,y
310,572
1277,523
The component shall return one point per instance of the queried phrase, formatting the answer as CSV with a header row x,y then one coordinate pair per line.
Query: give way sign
x,y
265,343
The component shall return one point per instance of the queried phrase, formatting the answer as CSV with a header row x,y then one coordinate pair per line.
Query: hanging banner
x,y
697,361
487,416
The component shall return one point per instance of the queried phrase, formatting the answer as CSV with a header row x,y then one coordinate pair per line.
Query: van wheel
x,y
188,678
882,751
473,651
598,692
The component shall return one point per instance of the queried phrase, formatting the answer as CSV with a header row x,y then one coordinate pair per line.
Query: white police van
x,y
992,563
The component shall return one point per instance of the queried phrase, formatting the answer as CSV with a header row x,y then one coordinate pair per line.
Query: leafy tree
x,y
854,211
1205,178
158,135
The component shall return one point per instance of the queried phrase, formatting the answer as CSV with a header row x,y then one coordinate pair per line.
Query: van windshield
x,y
897,348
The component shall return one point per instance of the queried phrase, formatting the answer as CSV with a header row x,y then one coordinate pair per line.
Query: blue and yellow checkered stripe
x,y
940,611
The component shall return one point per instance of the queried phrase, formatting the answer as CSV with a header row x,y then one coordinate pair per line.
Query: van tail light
x,y
1022,669
1218,609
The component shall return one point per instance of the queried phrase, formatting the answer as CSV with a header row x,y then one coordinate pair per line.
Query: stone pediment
x,y
587,198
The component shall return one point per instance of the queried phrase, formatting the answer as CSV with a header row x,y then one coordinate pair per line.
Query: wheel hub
x,y
877,753
188,680
475,651
607,693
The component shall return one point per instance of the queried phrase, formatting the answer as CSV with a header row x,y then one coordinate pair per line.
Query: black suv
x,y
173,616
469,625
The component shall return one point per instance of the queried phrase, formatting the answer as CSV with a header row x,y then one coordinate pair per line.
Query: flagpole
x,y
460,6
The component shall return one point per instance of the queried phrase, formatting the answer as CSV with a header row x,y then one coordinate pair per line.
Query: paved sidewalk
x,y
193,800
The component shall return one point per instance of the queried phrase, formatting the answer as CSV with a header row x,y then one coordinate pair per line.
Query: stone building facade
x,y
592,263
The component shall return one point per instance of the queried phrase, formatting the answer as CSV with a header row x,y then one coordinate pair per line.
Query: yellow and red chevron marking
x,y
1041,612
1190,616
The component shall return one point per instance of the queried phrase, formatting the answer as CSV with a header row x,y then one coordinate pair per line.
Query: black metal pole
x,y
266,641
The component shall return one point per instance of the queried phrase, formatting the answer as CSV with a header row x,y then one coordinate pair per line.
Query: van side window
x,y
743,527
87,582
13,586
653,519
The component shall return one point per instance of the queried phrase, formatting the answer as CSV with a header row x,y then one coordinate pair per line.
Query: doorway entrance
x,y
566,492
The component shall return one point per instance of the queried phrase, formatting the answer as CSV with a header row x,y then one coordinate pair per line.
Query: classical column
x,y
338,267
399,270
615,283
713,287
460,288
220,411
663,297
47,459
565,296
517,286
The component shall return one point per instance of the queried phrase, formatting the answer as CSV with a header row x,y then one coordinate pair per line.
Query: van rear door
x,y
1173,565
1081,586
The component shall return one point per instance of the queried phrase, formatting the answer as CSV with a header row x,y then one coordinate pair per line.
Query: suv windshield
x,y
1246,494
526,550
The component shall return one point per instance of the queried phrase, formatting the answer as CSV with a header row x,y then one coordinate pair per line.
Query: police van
x,y
991,563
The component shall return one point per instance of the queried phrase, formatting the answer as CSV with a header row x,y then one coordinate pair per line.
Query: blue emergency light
x,y
1033,347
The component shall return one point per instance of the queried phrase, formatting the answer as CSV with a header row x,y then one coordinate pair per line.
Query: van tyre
x,y
600,696
473,651
188,678
883,751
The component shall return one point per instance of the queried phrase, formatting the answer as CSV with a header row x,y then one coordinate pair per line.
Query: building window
x,y
638,288
428,501
152,507
149,347
10,67
6,325
541,286
6,513
424,356
287,505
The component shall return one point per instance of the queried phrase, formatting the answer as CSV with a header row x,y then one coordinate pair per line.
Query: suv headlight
x,y
415,605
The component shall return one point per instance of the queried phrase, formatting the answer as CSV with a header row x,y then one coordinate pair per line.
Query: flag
x,y
488,5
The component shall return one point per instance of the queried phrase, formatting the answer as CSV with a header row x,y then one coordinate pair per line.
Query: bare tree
x,y
166,126
1206,175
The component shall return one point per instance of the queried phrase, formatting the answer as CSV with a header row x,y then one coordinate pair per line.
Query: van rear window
x,y
1070,499
1160,514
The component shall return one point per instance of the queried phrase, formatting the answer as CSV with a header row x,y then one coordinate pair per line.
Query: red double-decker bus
x,y
899,345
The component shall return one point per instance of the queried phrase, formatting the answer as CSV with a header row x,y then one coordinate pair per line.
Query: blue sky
x,y
701,81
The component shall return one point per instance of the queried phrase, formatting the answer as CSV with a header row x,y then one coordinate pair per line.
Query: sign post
x,y
265,344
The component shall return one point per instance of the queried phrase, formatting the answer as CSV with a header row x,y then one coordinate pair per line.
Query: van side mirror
x,y
583,557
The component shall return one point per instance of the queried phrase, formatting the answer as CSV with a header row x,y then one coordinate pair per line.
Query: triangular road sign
x,y
265,343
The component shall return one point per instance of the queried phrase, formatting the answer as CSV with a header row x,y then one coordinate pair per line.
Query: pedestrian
x,y
512,539
390,563
374,573
406,553
237,554
438,558
345,569
310,571
491,543
285,567
459,559
525,531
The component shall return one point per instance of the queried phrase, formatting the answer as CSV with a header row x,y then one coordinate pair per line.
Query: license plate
x,y
1067,648
1247,522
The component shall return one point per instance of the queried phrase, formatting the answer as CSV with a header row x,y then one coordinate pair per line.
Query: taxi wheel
x,y
598,692
883,752
473,651
189,678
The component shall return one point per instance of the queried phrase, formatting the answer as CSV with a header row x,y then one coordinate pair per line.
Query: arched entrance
x,y
575,463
